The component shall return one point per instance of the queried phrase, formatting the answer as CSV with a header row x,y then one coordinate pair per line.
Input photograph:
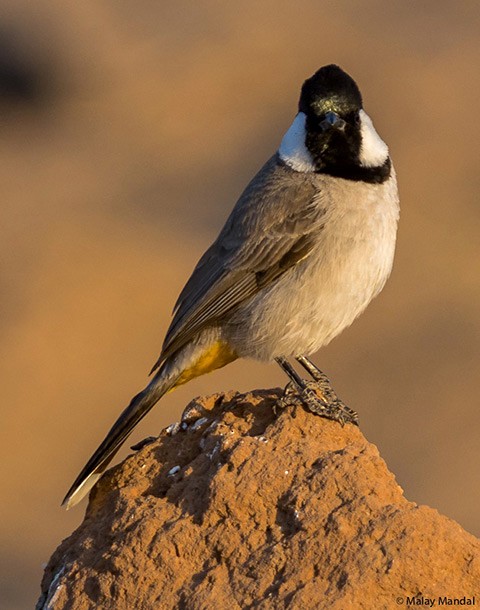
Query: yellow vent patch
x,y
214,357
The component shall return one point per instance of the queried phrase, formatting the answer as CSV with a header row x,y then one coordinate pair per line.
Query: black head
x,y
330,89
331,101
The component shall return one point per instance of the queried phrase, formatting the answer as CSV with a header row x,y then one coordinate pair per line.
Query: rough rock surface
x,y
241,508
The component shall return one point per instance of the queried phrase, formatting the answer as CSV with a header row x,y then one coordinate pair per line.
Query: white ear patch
x,y
293,150
373,150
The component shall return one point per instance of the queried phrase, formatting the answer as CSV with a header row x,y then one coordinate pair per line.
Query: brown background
x,y
128,129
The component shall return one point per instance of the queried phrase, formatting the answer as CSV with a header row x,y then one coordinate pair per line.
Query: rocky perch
x,y
237,508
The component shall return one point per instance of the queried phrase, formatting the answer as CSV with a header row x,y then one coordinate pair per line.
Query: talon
x,y
317,396
290,388
323,401
288,399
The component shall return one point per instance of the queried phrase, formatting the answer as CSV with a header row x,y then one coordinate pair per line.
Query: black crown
x,y
330,88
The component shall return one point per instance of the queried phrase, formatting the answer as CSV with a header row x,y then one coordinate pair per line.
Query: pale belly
x,y
313,302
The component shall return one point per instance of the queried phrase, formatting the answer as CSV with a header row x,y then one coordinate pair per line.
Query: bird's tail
x,y
139,406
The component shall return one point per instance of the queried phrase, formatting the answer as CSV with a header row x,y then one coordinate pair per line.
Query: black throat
x,y
358,173
337,152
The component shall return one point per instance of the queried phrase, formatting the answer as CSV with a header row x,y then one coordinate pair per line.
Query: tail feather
x,y
139,406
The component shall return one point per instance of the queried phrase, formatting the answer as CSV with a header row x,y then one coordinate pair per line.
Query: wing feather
x,y
272,228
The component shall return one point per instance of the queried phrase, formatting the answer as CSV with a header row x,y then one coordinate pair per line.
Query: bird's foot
x,y
319,398
287,399
323,401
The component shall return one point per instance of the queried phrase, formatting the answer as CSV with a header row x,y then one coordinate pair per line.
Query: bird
x,y
309,243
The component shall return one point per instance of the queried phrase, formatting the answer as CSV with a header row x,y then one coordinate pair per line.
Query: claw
x,y
319,400
287,399
327,404
317,396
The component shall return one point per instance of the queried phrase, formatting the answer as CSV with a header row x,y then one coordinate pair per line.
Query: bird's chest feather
x,y
354,252
348,265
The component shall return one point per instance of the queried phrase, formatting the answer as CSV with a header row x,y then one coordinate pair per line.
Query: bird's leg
x,y
290,371
312,369
318,395
323,387
322,382
295,383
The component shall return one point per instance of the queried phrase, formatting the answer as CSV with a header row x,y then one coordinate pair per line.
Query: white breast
x,y
317,299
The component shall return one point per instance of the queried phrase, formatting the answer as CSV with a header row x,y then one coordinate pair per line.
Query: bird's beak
x,y
332,120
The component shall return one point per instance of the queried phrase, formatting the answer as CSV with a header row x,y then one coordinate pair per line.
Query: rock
x,y
237,507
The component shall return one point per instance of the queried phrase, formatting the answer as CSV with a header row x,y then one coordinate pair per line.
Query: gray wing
x,y
268,232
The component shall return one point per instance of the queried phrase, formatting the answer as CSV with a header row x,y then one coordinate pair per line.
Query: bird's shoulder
x,y
275,196
277,206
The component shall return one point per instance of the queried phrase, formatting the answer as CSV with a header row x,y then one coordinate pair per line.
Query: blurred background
x,y
128,130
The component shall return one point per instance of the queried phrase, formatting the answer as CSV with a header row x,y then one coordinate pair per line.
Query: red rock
x,y
264,511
